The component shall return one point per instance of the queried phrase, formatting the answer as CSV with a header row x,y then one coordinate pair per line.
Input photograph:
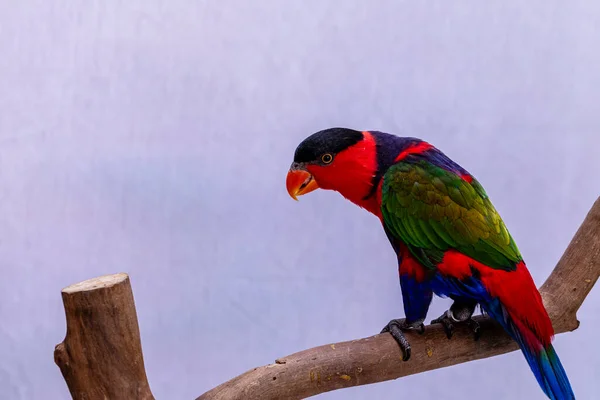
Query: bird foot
x,y
395,328
448,321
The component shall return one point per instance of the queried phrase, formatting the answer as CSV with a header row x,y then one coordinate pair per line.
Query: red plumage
x,y
409,265
351,174
415,149
516,291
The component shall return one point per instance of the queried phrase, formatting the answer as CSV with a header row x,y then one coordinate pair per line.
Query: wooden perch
x,y
101,356
378,358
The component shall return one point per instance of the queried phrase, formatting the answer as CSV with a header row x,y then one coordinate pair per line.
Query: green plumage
x,y
433,210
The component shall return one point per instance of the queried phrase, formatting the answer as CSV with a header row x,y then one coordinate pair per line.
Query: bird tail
x,y
545,364
525,319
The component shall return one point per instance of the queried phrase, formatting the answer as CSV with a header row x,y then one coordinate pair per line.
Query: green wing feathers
x,y
433,210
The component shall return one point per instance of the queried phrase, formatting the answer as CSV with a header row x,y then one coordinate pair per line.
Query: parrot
x,y
448,237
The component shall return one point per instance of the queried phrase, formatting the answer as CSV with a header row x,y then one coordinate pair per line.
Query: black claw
x,y
397,334
395,328
446,324
474,325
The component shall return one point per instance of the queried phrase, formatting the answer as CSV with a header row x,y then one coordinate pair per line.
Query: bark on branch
x,y
101,356
378,358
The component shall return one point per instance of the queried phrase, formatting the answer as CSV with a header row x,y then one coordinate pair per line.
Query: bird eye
x,y
326,158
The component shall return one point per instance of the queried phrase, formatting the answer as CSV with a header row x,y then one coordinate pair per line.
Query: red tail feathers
x,y
521,299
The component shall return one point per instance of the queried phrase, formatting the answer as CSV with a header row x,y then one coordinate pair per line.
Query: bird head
x,y
340,159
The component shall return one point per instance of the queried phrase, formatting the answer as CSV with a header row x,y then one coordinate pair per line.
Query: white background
x,y
153,137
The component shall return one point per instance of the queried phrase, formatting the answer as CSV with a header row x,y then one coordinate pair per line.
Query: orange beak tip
x,y
299,182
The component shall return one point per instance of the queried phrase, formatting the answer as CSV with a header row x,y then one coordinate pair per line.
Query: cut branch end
x,y
101,356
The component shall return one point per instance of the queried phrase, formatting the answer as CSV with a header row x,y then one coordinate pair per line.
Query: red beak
x,y
299,182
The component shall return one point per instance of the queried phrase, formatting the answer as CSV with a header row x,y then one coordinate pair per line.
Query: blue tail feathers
x,y
550,373
544,364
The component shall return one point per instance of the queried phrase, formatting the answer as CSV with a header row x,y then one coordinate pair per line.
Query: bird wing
x,y
433,210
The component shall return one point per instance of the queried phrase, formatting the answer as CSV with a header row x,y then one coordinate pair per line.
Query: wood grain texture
x,y
101,355
575,274
378,358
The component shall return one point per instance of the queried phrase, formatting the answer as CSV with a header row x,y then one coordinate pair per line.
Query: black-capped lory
x,y
448,237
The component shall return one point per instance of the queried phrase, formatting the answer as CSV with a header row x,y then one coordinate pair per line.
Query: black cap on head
x,y
331,140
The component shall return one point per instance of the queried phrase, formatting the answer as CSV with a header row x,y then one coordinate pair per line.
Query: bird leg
x,y
395,328
460,311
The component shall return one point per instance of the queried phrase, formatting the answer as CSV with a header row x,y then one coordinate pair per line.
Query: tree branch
x,y
101,356
378,358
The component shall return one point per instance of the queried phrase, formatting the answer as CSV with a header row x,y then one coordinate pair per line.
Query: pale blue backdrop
x,y
153,137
